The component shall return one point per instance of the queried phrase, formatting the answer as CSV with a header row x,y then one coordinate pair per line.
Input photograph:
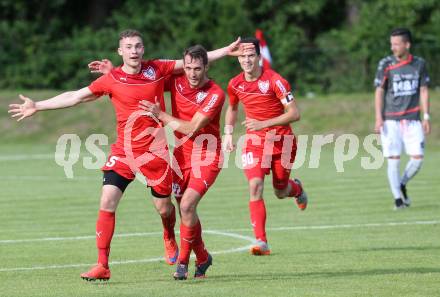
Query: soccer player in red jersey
x,y
141,144
270,144
197,102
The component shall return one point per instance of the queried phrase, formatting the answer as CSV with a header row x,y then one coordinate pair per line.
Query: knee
x,y
256,188
164,209
280,194
186,209
163,212
108,203
417,161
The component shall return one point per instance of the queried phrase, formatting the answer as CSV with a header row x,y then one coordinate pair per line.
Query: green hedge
x,y
320,46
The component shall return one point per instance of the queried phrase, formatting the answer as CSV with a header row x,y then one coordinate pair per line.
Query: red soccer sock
x,y
187,237
257,209
295,189
168,224
198,245
105,226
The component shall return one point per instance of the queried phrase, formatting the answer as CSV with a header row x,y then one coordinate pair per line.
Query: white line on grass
x,y
76,237
27,157
346,226
214,232
158,259
96,178
228,232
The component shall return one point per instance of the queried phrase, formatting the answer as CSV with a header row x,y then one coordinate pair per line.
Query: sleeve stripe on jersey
x,y
281,86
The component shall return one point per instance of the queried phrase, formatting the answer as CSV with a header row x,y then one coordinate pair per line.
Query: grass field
x,y
349,242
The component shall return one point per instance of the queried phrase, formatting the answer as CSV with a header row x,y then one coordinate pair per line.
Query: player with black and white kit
x,y
401,94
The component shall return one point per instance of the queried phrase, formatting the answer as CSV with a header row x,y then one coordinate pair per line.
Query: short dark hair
x,y
197,52
404,33
129,33
253,40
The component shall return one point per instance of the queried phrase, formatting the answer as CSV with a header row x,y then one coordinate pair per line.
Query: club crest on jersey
x,y
180,87
201,96
263,86
149,73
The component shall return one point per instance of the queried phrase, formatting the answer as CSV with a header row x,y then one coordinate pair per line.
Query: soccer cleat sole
x,y
173,260
98,272
301,206
90,279
257,251
202,268
181,272
180,277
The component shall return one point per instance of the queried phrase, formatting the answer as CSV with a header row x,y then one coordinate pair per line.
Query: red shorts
x,y
155,168
257,164
200,181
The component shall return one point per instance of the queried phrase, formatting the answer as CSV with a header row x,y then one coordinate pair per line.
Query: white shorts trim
x,y
396,134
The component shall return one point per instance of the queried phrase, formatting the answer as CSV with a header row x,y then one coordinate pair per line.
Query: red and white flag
x,y
266,59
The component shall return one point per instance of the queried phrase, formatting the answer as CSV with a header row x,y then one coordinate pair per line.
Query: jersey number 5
x,y
112,161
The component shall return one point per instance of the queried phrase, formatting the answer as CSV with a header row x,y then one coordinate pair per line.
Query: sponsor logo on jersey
x,y
405,84
180,87
263,86
281,86
210,103
149,73
241,87
123,79
201,96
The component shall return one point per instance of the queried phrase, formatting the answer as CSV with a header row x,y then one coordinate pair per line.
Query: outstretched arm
x,y
198,121
64,100
234,49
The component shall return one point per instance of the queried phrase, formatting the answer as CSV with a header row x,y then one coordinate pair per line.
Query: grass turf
x,y
349,242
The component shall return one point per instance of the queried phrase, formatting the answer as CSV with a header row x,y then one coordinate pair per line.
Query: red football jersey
x,y
125,91
262,99
185,102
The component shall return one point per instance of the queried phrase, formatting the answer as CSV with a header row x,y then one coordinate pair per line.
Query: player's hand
x,y
236,48
378,126
426,126
152,109
104,66
254,125
24,110
228,145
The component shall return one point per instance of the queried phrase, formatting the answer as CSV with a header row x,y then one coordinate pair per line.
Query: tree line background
x,y
319,45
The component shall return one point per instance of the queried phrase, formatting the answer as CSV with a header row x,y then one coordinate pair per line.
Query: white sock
x,y
411,169
394,176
